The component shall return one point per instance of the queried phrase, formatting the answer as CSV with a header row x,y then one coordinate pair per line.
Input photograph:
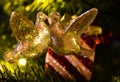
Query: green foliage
x,y
42,5
33,71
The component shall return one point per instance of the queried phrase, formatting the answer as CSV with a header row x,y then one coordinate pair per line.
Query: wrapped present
x,y
74,67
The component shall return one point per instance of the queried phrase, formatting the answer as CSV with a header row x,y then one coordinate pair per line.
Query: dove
x,y
61,34
33,40
65,36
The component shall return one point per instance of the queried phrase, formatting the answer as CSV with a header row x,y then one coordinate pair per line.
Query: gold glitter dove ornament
x,y
61,34
33,40
65,33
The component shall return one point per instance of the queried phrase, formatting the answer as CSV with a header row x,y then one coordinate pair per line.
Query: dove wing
x,y
21,26
81,23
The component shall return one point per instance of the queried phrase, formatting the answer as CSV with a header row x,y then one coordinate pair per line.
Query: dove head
x,y
41,17
54,17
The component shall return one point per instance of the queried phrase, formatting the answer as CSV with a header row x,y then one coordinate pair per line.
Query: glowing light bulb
x,y
22,61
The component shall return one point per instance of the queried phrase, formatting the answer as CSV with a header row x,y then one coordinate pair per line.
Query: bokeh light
x,y
22,61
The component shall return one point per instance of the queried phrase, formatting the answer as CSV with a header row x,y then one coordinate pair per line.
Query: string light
x,y
22,61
